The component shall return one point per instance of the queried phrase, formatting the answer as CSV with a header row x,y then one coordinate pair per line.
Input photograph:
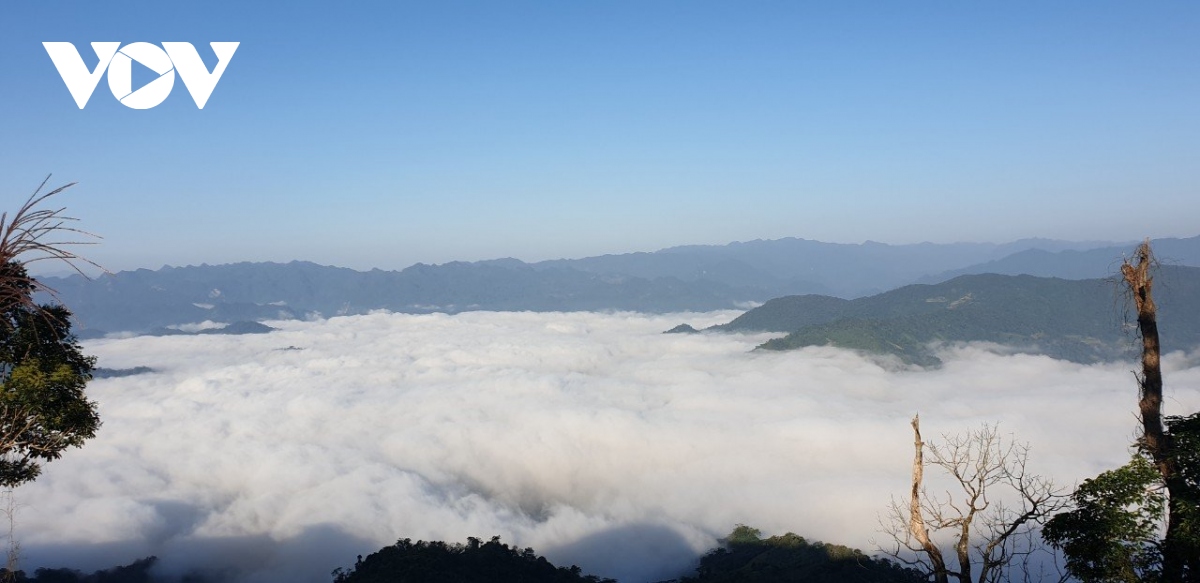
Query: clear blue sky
x,y
381,134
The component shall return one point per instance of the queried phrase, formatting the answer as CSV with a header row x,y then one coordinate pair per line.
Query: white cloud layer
x,y
593,438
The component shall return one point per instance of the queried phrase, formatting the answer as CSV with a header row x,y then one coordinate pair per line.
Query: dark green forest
x,y
473,562
743,557
136,572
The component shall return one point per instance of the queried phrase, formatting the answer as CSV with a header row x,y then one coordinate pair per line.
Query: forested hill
x,y
743,557
1078,320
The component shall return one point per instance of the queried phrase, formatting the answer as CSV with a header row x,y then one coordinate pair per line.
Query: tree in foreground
x,y
988,518
43,371
1140,522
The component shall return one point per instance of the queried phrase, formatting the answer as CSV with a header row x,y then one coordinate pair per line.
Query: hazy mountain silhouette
x,y
800,266
674,279
144,300
1075,263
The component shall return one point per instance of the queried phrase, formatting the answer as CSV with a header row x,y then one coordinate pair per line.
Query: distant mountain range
x,y
1076,263
145,300
690,278
799,266
1078,320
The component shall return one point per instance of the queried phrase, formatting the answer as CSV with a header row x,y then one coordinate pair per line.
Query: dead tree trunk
x,y
1154,440
916,520
1138,278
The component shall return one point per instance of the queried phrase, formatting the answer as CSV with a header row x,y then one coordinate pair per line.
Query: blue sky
x,y
382,134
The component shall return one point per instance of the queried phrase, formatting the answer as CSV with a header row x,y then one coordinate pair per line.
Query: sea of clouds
x,y
594,438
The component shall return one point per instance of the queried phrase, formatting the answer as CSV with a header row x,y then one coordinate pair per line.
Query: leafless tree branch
x,y
991,525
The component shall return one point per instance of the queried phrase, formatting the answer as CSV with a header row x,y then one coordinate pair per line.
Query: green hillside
x,y
787,314
746,557
1076,320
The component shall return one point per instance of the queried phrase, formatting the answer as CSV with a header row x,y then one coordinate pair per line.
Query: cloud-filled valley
x,y
591,437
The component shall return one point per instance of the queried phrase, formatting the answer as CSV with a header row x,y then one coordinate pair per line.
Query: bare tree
x,y
916,518
8,506
987,518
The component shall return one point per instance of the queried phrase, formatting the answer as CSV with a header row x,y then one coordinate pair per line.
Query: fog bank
x,y
593,438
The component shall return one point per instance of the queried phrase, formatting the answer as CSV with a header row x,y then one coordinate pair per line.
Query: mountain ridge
x,y
684,278
1083,320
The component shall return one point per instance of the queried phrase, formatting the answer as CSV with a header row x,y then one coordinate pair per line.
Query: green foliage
x,y
746,557
1184,433
1112,534
744,535
43,372
474,562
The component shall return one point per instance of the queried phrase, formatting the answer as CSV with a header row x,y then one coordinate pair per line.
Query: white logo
x,y
118,61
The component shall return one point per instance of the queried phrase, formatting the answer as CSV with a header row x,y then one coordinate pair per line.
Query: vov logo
x,y
118,61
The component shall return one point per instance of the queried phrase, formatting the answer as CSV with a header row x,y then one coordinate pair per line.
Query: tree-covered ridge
x,y
743,557
746,557
1077,320
138,571
474,562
